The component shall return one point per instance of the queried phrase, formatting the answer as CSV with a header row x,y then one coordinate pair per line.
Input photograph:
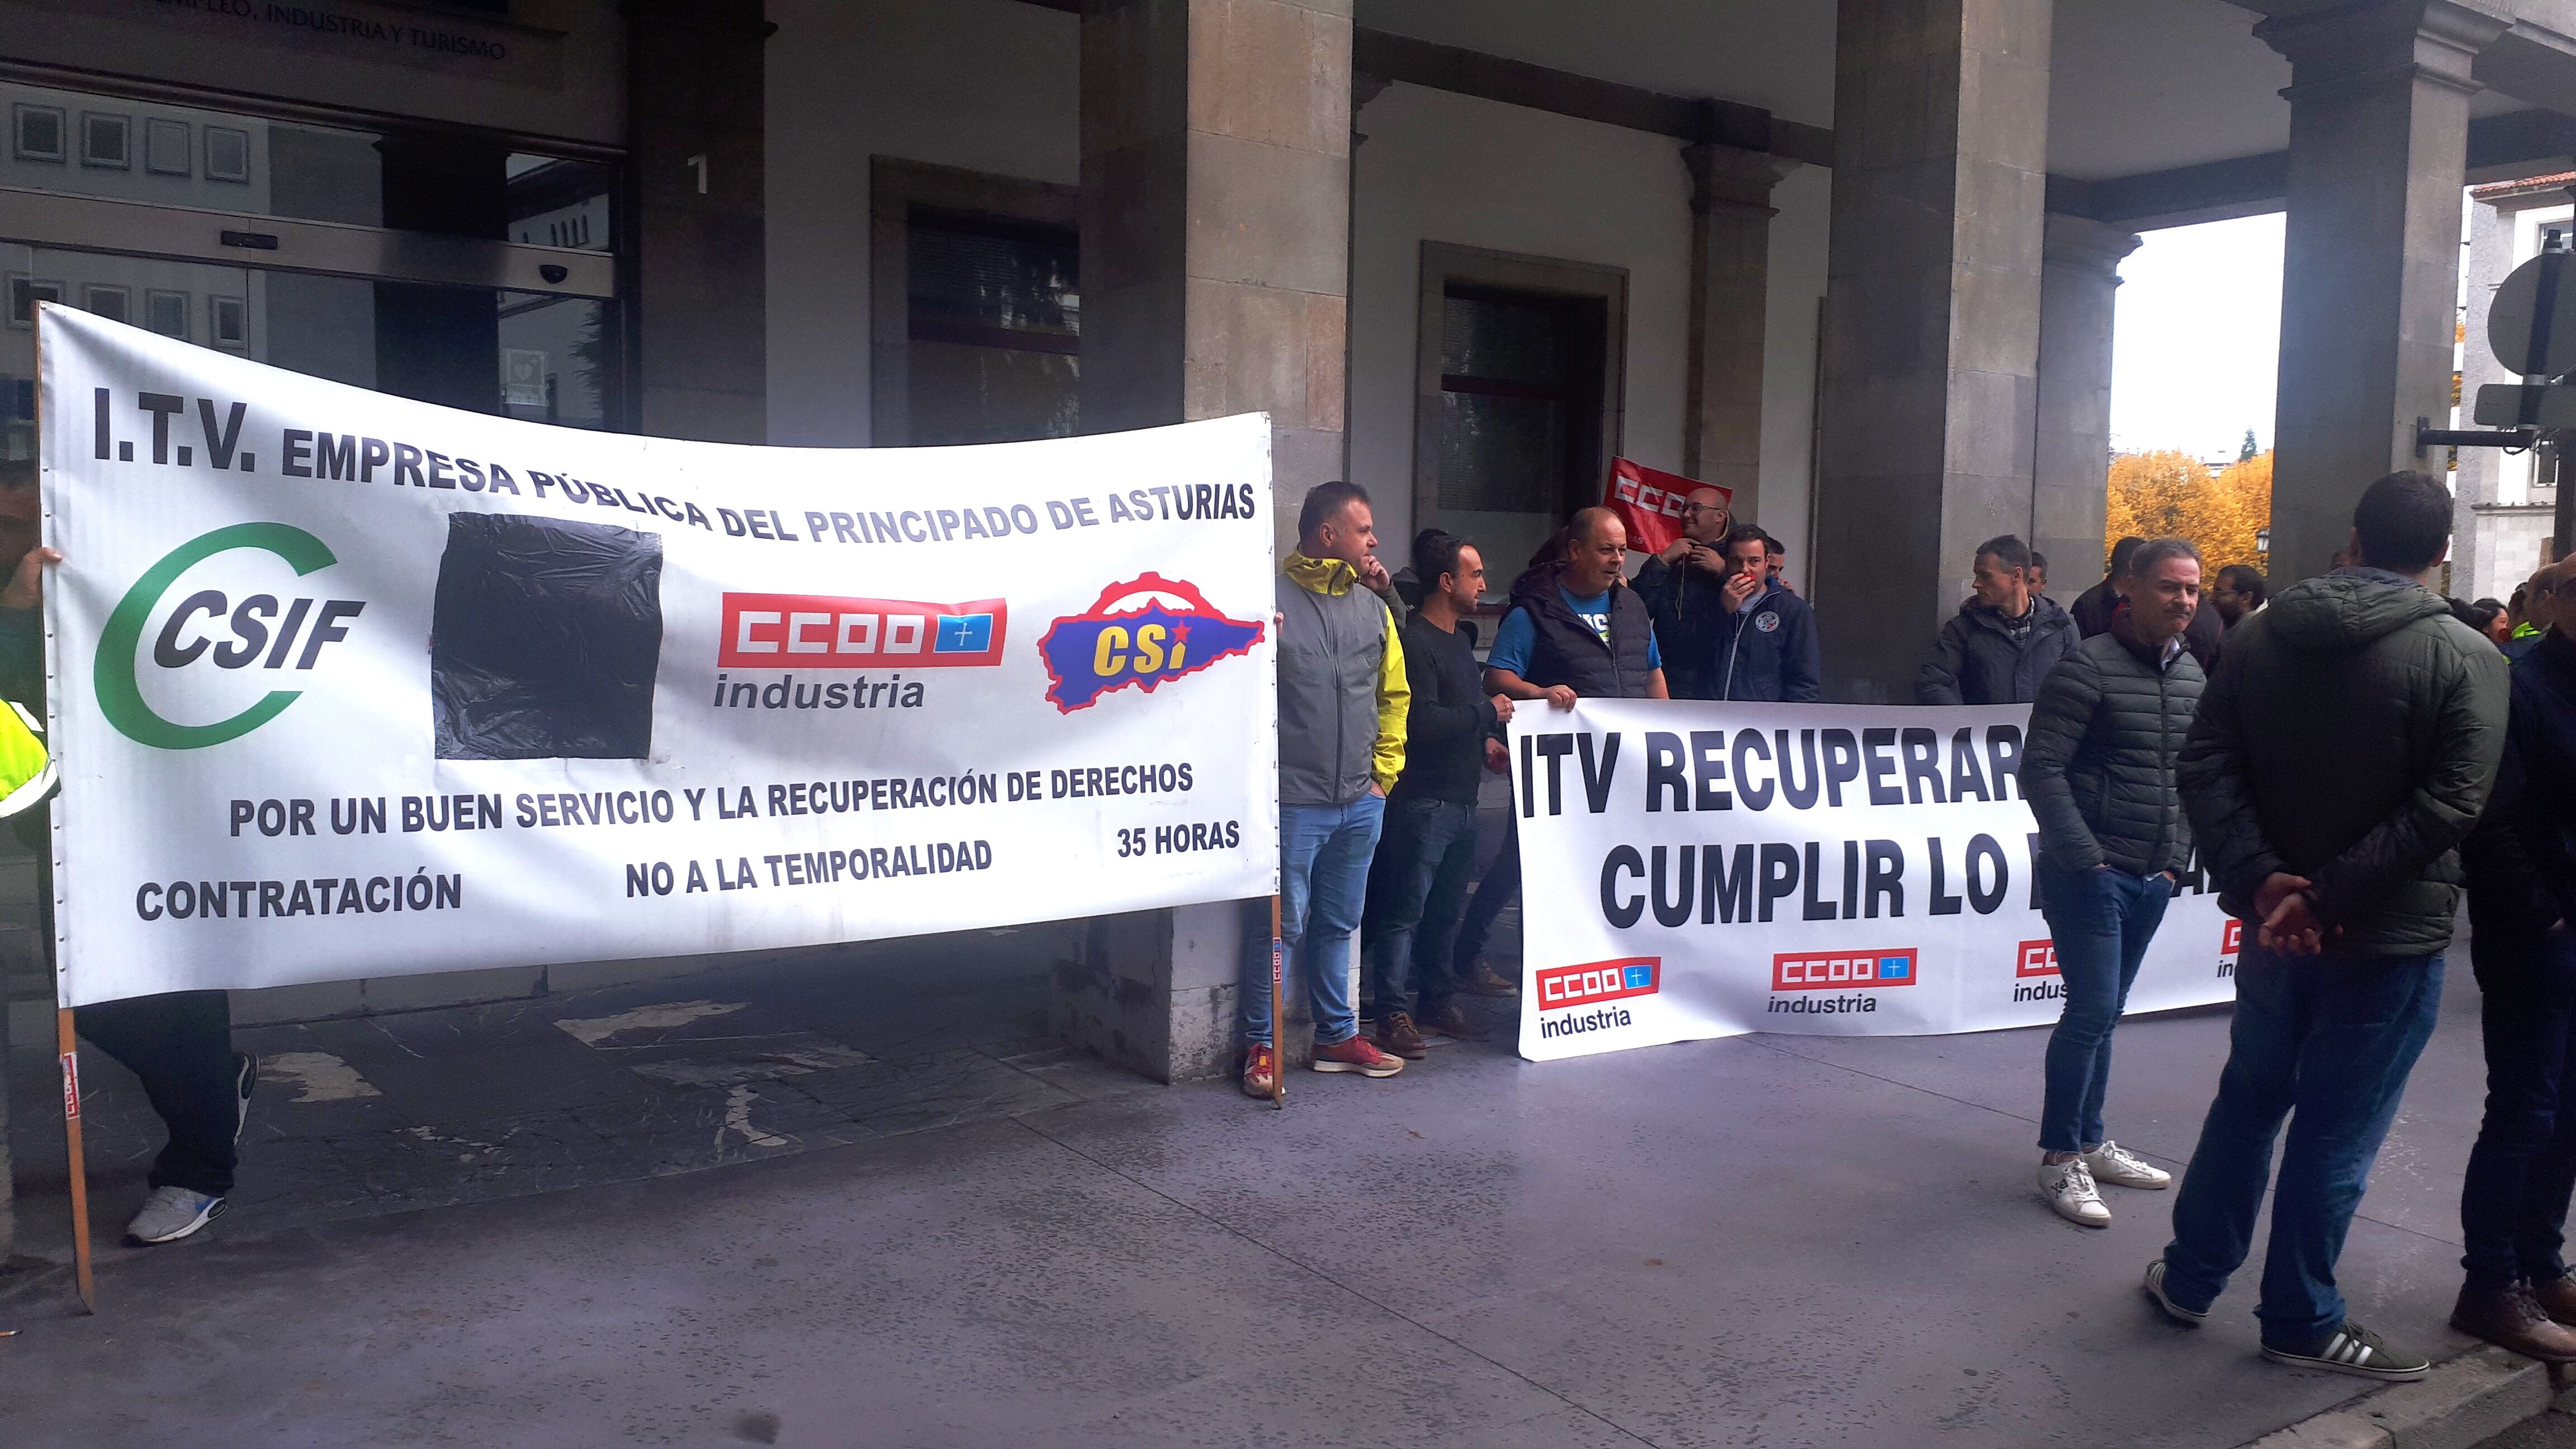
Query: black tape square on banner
x,y
546,639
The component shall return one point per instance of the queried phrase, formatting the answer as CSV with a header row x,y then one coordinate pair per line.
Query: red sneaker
x,y
1356,1055
1260,1071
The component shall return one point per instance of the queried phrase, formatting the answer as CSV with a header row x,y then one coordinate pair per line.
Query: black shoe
x,y
2353,1349
1452,1021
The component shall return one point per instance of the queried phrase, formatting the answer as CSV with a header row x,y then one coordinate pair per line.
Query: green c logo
x,y
120,695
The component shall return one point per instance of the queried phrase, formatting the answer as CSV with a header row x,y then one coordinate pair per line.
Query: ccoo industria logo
x,y
1144,632
257,634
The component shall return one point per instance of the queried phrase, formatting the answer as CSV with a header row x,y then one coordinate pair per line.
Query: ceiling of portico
x,y
2136,85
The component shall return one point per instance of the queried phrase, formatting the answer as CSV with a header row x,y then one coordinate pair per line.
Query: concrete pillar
x,y
1730,303
8,1174
698,311
2379,116
1215,211
2071,456
1931,348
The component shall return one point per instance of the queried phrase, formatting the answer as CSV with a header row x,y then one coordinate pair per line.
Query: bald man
x,y
1683,589
1576,630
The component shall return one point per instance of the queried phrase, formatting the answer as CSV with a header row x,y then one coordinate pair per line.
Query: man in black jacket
x,y
1680,588
2092,608
2099,774
1427,854
2003,641
2340,756
2522,898
2096,606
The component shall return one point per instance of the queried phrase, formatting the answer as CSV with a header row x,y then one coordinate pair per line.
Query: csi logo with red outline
x,y
2035,958
1842,970
1145,632
822,631
2232,939
1594,982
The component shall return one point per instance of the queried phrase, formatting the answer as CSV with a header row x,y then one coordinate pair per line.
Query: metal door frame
x,y
58,221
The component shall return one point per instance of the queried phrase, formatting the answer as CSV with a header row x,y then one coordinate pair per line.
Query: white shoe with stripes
x,y
2353,1349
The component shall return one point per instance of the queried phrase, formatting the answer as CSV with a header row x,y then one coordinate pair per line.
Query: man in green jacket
x,y
2341,754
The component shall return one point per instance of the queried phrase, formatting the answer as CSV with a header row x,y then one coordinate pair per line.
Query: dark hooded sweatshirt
x,y
2350,735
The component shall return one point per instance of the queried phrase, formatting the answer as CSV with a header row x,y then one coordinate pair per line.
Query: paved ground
x,y
1764,1241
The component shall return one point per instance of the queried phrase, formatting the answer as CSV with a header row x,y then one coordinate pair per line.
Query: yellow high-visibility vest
x,y
26,766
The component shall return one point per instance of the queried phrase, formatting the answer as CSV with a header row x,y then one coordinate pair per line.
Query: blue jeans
x,y
2101,922
2513,1202
1324,855
1424,862
2326,1041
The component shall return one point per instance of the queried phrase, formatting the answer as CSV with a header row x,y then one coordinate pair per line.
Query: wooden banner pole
x,y
1278,1021
79,1170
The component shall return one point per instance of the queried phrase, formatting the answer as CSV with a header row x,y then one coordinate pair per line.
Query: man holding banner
x,y
179,1043
2098,772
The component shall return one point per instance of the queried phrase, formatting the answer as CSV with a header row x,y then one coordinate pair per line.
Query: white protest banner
x,y
345,685
1699,870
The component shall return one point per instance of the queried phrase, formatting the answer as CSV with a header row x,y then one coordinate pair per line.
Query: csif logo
x,y
263,634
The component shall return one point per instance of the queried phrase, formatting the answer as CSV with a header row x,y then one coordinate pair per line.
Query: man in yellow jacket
x,y
1342,702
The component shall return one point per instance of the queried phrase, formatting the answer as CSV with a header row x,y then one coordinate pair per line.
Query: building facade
x,y
2506,503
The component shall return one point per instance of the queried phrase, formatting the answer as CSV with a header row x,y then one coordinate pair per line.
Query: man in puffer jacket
x,y
2098,770
2342,752
2003,641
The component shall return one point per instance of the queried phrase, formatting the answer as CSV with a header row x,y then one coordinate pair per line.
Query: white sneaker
x,y
2112,1163
2068,1188
172,1213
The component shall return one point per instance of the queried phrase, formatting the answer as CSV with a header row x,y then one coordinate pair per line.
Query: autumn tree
x,y
2165,492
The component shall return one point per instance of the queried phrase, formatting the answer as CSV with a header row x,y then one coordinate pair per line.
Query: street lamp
x,y
2263,540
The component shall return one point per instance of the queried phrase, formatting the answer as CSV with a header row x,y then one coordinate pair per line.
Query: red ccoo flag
x,y
1650,503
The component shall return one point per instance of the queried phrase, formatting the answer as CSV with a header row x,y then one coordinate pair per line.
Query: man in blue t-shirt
x,y
1576,630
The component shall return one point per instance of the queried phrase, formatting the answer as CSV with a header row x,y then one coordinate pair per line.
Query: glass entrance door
x,y
539,358
451,270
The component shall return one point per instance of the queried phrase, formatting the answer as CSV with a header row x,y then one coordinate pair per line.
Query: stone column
x,y
1931,348
1215,262
2379,115
2072,454
1730,305
698,312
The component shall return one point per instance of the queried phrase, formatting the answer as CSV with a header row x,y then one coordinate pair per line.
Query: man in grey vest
x,y
1342,703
